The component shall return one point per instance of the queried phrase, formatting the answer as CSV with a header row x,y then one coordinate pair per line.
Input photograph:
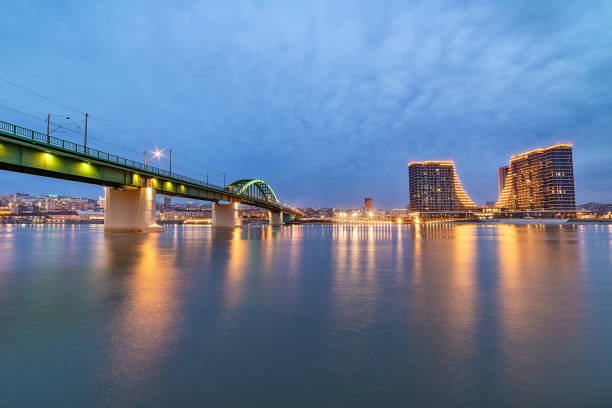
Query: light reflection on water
x,y
353,315
235,270
144,327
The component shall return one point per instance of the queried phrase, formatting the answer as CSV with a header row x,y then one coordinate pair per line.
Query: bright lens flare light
x,y
157,154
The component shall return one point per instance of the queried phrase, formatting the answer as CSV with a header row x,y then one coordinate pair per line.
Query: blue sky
x,y
328,101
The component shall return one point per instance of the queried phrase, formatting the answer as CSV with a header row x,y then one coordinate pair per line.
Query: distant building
x,y
435,186
367,209
540,179
185,214
167,202
596,208
318,212
502,173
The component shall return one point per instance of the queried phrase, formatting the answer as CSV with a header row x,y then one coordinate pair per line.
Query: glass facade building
x,y
435,187
540,179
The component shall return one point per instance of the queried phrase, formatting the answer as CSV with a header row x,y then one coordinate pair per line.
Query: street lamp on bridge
x,y
158,154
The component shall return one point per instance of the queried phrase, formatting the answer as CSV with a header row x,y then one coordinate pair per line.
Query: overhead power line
x,y
199,166
58,125
40,96
74,109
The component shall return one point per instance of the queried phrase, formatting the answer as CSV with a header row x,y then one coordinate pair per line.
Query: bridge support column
x,y
130,210
225,215
276,218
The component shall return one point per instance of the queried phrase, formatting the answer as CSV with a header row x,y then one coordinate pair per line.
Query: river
x,y
313,316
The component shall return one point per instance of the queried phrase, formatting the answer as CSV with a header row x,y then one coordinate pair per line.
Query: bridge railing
x,y
41,138
96,154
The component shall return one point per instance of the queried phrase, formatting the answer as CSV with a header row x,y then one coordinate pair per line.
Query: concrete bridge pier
x,y
276,218
130,210
225,215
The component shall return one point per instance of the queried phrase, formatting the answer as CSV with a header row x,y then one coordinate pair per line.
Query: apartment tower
x,y
435,187
540,179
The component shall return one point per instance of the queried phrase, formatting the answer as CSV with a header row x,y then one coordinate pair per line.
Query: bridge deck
x,y
27,151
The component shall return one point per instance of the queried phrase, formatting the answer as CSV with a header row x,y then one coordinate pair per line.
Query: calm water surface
x,y
314,316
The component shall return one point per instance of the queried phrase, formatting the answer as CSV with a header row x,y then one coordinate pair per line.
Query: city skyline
x,y
436,186
544,160
315,98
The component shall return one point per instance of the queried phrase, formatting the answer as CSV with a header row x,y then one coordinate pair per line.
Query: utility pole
x,y
48,120
223,180
145,160
207,179
85,144
170,162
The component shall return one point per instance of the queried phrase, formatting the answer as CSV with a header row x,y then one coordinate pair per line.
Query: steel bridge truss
x,y
254,188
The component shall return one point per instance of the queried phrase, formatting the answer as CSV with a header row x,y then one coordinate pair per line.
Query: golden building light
x,y
539,179
435,186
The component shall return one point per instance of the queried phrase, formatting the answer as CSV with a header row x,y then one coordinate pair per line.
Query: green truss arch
x,y
254,188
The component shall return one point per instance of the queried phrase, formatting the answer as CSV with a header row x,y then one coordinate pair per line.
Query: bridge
x,y
131,186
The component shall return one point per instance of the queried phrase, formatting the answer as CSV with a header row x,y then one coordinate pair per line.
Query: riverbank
x,y
590,220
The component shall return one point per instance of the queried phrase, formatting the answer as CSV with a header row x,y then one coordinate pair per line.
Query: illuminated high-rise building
x,y
435,186
502,173
540,179
368,204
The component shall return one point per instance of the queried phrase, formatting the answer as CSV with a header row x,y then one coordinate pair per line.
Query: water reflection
x,y
355,284
535,258
444,300
399,248
417,255
295,235
144,328
463,283
540,281
355,314
236,268
7,249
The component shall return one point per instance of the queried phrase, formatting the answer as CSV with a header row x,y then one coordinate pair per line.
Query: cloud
x,y
330,100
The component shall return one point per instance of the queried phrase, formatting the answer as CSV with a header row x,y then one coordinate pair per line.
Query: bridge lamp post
x,y
85,138
49,125
157,154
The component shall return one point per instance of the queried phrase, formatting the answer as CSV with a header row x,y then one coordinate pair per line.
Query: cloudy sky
x,y
326,100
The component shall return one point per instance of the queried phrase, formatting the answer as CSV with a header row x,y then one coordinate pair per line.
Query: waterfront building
x,y
182,214
19,202
367,209
502,173
541,179
435,187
